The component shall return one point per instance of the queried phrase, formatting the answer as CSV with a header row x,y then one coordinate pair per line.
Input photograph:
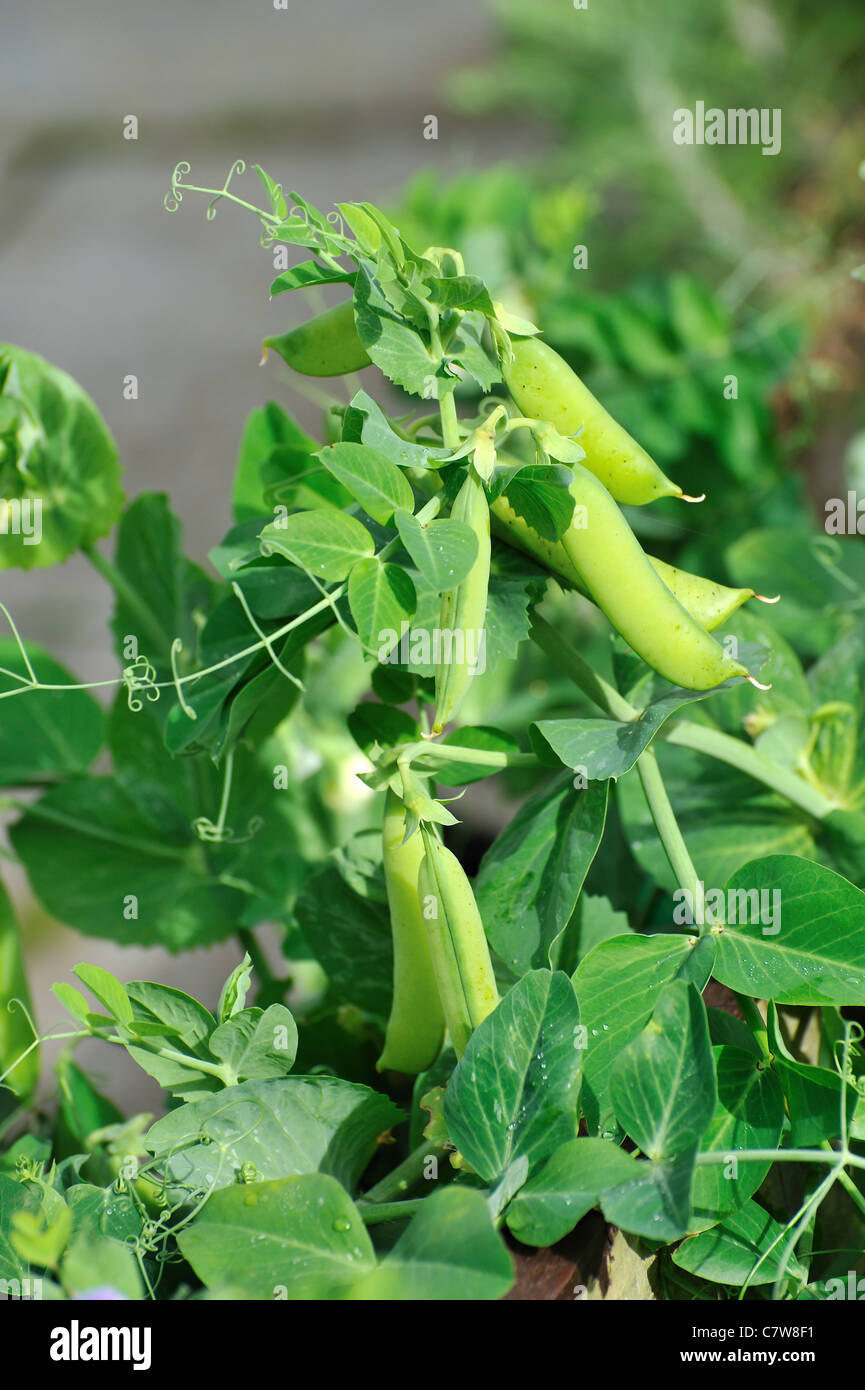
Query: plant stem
x,y
373,1215
455,753
703,739
668,829
405,1176
581,673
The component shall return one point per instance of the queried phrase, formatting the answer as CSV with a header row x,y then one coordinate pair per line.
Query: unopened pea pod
x,y
710,603
415,1029
619,578
464,609
546,388
458,945
325,346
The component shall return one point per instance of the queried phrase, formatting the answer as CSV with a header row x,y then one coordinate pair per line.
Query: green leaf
x,y
282,1127
496,1112
255,1044
749,1114
233,997
450,1252
170,592
44,733
618,985
99,865
396,348
59,475
266,430
365,421
346,924
325,543
108,990
14,1199
604,748
530,878
183,1014
443,551
309,274
372,724
568,1186
811,946
371,478
73,1000
663,1084
728,1254
381,598
813,1094
278,1238
98,1262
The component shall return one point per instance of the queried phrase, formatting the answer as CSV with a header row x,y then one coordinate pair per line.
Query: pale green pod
x,y
546,388
708,602
463,609
458,944
415,1030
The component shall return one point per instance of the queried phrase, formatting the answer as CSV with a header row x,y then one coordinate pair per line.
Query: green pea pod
x,y
415,1030
464,609
457,942
619,578
546,388
325,346
16,1034
708,602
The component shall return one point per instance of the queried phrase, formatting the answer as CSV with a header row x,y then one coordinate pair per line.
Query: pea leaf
x,y
44,733
347,927
381,598
281,1127
530,878
59,475
567,1186
257,1044
618,985
728,1254
289,1234
496,1114
326,543
450,1252
810,948
663,1085
371,478
443,551
749,1114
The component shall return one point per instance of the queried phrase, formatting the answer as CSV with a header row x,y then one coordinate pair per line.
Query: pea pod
x,y
464,609
708,602
16,1034
617,574
546,388
325,346
457,942
415,1029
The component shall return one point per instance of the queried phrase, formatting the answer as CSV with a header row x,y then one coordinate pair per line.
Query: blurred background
x,y
554,134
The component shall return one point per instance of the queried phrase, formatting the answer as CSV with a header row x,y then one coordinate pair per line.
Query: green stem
x,y
840,1158
374,1215
581,673
703,739
668,830
455,753
402,1178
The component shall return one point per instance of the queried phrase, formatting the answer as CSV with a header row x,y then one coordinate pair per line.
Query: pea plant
x,y
636,1004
